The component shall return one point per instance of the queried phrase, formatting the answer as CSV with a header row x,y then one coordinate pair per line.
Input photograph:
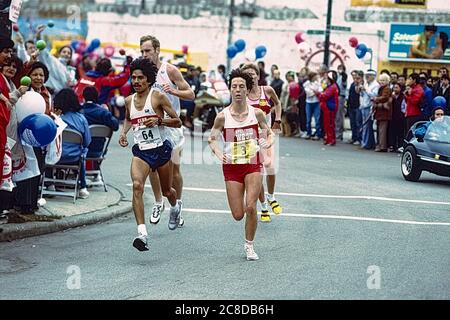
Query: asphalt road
x,y
352,228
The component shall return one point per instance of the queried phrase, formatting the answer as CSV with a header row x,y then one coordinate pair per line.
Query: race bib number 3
x,y
242,152
148,138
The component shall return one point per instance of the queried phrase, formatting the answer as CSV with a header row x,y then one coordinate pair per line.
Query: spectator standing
x,y
414,96
383,112
353,104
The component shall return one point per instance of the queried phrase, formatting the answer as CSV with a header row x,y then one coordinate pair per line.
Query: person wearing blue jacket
x,y
428,97
97,114
66,101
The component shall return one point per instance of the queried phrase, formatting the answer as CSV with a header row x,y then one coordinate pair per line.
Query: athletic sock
x,y
270,197
159,203
264,206
250,243
142,229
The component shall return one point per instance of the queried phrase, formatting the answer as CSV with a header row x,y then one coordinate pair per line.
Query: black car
x,y
427,148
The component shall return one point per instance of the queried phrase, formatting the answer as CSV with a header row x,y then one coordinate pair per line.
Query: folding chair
x,y
74,137
99,131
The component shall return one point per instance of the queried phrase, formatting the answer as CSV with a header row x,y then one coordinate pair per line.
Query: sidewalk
x,y
99,207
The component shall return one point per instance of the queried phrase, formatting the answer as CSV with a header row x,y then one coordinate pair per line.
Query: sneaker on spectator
x,y
305,135
315,138
83,193
356,143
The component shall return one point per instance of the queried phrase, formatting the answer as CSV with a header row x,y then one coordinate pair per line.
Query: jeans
x,y
368,138
355,123
313,109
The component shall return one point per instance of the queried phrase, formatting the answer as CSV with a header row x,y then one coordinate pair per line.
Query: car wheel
x,y
411,169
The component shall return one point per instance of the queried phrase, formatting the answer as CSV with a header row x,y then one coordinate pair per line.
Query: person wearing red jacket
x,y
329,104
103,80
6,46
414,96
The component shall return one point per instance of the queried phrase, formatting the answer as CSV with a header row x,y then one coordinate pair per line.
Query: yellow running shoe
x,y
276,208
265,216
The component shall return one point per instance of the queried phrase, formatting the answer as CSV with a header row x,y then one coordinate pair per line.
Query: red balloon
x,y
353,42
299,37
184,49
109,51
122,52
15,27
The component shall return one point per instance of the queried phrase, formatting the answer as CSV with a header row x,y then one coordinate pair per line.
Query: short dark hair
x,y
392,73
28,42
67,101
147,67
239,73
16,60
104,66
90,94
414,76
445,76
431,28
385,71
40,65
221,67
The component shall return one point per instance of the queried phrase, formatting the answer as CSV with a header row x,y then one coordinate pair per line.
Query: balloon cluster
x,y
360,48
35,128
251,54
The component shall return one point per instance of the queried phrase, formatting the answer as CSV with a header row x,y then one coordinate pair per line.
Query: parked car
x,y
430,152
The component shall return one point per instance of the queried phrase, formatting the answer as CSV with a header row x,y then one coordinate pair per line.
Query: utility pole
x,y
230,30
326,57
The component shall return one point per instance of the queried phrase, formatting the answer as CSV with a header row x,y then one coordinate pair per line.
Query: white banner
x,y
14,10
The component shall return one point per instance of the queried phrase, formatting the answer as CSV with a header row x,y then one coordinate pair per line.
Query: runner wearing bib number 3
x,y
239,124
151,150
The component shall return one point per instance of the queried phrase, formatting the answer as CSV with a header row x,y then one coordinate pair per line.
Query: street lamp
x,y
326,56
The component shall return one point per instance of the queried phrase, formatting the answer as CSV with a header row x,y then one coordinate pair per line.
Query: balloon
x,y
361,50
353,42
240,45
303,47
31,102
120,101
122,52
109,51
231,52
95,43
439,101
37,130
25,81
74,44
184,49
260,52
15,27
81,47
250,55
50,24
41,44
300,37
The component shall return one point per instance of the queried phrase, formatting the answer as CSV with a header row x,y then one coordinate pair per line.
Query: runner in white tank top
x,y
152,150
170,81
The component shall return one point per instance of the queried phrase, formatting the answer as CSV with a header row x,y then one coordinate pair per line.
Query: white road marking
x,y
327,216
309,195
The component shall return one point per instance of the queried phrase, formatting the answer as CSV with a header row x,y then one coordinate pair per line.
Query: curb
x,y
36,228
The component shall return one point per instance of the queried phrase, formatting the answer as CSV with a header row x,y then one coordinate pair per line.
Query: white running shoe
x,y
174,219
250,252
181,223
156,213
140,242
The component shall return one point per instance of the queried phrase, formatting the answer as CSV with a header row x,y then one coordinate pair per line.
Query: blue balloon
x,y
74,44
260,51
439,101
240,45
37,130
232,52
361,50
95,44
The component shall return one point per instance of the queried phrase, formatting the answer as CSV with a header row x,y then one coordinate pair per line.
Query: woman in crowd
x,y
329,103
397,124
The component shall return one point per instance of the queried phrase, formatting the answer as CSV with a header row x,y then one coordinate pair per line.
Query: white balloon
x,y
120,101
31,102
250,54
303,47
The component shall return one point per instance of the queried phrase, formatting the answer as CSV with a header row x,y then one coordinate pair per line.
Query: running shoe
x,y
140,243
265,216
174,219
276,208
250,252
156,213
180,203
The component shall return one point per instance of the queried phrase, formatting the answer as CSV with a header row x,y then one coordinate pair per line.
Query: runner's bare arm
x,y
174,121
184,90
277,104
216,130
126,123
267,133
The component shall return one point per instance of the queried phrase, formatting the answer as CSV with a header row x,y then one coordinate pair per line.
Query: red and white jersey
x,y
241,138
262,103
146,137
